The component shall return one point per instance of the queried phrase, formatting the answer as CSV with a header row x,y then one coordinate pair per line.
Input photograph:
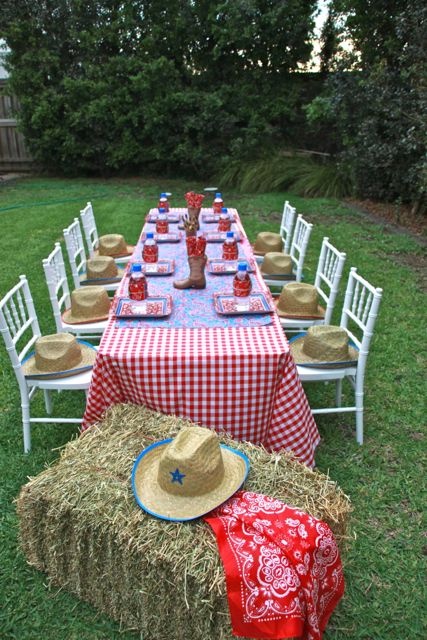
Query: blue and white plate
x,y
219,236
151,307
164,237
159,268
227,304
220,267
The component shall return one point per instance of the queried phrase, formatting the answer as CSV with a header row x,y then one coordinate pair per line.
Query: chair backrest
x,y
19,324
89,228
57,284
288,219
361,304
328,275
299,245
76,251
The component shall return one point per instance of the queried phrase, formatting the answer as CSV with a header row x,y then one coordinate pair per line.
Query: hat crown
x,y
101,267
192,463
326,343
268,241
111,244
299,297
56,352
88,302
276,262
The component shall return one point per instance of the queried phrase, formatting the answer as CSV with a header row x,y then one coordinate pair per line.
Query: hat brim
x,y
84,280
302,359
69,318
130,248
320,313
257,252
279,276
161,504
31,370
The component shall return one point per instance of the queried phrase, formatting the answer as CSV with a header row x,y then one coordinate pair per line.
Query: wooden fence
x,y
14,155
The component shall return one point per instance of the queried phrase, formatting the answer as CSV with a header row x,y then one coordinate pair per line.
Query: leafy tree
x,y
163,85
374,102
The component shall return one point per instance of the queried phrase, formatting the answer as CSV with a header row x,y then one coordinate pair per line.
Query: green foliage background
x,y
192,87
374,99
175,86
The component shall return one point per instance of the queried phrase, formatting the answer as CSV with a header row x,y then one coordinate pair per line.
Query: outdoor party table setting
x,y
192,347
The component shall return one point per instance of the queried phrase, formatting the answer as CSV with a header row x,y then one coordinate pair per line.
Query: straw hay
x,y
80,523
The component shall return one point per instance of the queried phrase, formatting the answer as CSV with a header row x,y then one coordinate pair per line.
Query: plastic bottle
x,y
224,223
242,284
137,283
218,203
162,224
230,250
150,251
163,202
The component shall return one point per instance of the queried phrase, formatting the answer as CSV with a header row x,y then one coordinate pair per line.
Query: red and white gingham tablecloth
x,y
241,380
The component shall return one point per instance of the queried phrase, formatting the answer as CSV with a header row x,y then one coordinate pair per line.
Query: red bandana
x,y
194,199
282,568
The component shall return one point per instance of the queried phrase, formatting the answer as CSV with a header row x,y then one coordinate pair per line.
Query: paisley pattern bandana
x,y
282,566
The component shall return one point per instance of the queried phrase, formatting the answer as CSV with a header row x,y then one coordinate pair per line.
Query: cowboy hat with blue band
x,y
186,477
324,346
58,355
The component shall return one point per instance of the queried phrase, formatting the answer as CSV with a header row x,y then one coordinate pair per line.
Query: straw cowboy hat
x,y
59,356
267,241
299,300
323,346
102,268
88,304
187,476
114,245
277,264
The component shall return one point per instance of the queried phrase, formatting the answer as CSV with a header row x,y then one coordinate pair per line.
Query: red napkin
x,y
282,567
194,199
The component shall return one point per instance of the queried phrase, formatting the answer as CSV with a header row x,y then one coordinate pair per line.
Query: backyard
x,y
386,553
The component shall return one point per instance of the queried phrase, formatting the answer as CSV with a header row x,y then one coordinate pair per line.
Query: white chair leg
x,y
26,427
47,401
359,418
338,393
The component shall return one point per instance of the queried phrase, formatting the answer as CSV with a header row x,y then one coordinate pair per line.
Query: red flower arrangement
x,y
194,199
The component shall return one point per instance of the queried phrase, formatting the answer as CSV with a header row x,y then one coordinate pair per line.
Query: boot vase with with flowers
x,y
197,259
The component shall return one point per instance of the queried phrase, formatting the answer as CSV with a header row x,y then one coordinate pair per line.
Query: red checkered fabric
x,y
241,380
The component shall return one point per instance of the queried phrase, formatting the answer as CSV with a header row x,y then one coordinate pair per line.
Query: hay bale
x,y
79,523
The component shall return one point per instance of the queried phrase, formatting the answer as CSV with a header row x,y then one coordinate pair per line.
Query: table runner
x,y
241,380
194,308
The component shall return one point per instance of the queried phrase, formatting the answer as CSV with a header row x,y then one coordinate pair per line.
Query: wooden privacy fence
x,y
14,155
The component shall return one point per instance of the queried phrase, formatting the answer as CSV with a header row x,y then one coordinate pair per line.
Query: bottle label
x,y
230,251
163,204
224,225
150,253
217,206
138,288
242,288
162,226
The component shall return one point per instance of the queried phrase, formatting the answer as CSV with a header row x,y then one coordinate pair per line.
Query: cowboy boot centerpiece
x,y
197,259
194,206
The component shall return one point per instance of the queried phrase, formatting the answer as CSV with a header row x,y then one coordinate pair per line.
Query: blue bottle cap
x,y
150,235
136,268
163,195
218,195
242,266
162,210
224,210
230,234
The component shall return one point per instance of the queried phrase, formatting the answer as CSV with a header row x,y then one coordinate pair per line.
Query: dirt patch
x,y
400,218
415,262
